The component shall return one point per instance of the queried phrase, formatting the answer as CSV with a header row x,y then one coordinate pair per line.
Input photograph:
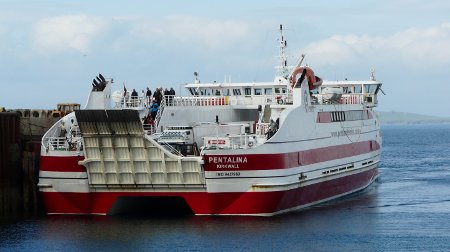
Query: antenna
x,y
372,74
197,80
283,68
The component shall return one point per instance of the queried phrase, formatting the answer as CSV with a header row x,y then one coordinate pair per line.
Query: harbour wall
x,y
20,136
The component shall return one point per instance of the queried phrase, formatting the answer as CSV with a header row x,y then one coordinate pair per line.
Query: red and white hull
x,y
255,184
230,203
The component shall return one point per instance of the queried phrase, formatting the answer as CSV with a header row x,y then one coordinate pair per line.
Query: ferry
x,y
255,148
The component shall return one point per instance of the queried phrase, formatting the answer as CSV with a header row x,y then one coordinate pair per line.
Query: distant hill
x,y
402,117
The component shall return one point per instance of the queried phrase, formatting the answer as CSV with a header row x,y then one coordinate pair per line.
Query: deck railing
x,y
321,99
63,144
227,100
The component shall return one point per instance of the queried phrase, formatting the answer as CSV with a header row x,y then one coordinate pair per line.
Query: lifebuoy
x,y
280,101
250,144
312,78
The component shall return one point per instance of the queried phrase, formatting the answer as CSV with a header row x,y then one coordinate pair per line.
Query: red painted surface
x,y
216,203
61,164
286,160
323,117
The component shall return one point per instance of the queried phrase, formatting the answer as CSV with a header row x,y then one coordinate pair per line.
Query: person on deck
x,y
166,96
158,96
134,96
172,95
149,96
154,109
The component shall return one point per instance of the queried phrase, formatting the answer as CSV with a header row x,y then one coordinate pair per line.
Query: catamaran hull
x,y
221,203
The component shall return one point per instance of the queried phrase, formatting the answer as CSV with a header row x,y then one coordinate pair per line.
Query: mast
x,y
282,69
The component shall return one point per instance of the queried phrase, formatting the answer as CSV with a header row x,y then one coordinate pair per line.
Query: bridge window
x,y
258,91
226,92
248,91
236,91
277,90
370,88
268,91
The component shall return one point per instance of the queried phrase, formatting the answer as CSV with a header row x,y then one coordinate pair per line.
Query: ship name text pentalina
x,y
227,162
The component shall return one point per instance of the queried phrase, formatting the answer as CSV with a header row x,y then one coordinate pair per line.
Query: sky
x,y
50,50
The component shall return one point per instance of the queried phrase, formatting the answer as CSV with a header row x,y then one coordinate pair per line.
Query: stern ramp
x,y
119,154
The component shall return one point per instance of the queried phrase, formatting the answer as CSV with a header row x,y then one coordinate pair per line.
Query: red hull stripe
x,y
286,160
61,164
216,203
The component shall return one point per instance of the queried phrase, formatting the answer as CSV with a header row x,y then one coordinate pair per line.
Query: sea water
x,y
407,209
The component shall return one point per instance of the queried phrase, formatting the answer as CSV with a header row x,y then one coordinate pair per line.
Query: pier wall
x,y
19,164
10,167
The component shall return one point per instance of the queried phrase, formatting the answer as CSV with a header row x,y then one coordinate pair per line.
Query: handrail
x,y
170,148
160,110
149,128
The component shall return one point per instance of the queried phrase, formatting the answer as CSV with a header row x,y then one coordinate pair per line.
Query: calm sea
x,y
408,209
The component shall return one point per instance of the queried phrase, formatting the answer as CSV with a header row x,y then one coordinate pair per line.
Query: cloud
x,y
68,32
413,47
82,33
212,33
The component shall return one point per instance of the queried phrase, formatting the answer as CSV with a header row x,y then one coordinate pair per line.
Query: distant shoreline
x,y
394,117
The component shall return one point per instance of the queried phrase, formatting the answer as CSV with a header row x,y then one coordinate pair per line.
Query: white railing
x,y
170,148
160,111
245,141
227,100
262,129
343,99
149,129
199,101
63,144
134,102
351,99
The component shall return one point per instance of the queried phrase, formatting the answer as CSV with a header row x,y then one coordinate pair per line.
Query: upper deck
x,y
278,92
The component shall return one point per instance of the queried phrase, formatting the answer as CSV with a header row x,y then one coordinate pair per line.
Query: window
x,y
277,90
358,89
284,90
226,92
370,88
248,91
258,91
236,91
217,92
267,91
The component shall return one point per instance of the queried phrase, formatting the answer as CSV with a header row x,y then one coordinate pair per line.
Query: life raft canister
x,y
312,78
